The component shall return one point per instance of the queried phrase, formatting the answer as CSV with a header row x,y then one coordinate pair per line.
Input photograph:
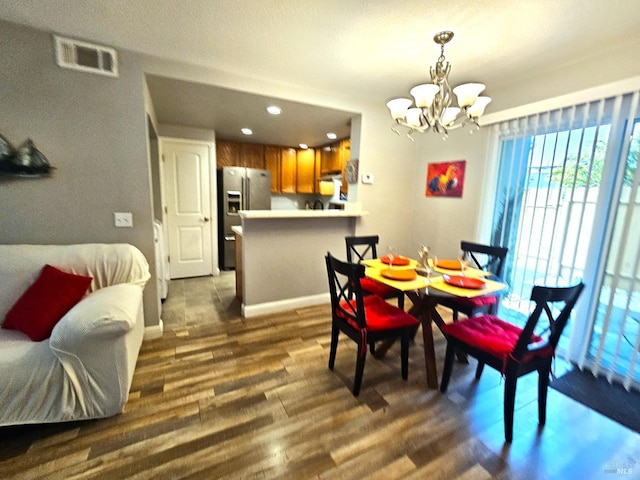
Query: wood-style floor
x,y
223,397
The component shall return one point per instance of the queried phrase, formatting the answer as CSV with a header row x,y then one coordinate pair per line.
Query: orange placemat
x,y
377,263
490,287
402,275
464,282
396,260
449,264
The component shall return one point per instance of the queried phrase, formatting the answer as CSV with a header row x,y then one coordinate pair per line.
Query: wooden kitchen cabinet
x,y
227,154
272,162
252,155
335,156
288,170
344,150
238,154
329,159
306,171
316,182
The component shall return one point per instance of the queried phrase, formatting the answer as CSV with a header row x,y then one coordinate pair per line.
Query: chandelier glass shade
x,y
431,107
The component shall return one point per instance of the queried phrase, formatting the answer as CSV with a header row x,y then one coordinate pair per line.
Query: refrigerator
x,y
239,188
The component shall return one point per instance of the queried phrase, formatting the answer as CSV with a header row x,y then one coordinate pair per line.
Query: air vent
x,y
86,57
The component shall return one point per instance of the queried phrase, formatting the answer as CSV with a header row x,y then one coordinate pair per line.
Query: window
x,y
563,177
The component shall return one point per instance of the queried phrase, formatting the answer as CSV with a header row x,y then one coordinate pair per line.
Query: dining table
x,y
426,291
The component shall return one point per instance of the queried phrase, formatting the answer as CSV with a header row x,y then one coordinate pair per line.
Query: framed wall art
x,y
445,179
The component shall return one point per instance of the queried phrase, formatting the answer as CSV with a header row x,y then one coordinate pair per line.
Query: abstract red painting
x,y
445,179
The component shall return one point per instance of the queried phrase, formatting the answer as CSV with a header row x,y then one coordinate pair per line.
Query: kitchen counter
x,y
282,265
301,213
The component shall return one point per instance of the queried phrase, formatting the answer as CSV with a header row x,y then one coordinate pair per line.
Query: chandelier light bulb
x,y
477,109
468,93
398,107
424,94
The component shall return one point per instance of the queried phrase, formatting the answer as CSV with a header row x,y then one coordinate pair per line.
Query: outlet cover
x,y
123,219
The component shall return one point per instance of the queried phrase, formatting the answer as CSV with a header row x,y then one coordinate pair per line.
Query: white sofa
x,y
84,370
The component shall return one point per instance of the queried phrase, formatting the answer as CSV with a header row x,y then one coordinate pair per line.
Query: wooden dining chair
x,y
365,247
483,257
364,319
512,350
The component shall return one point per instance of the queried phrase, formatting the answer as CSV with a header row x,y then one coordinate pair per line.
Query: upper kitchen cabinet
x,y
345,155
272,163
252,155
288,170
227,154
306,171
237,154
335,156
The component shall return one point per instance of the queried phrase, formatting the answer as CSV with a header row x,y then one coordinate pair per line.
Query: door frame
x,y
213,189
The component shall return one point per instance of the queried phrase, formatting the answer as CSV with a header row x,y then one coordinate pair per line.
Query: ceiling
x,y
227,111
364,49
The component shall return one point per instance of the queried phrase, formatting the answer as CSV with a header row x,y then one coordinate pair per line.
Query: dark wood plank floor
x,y
223,397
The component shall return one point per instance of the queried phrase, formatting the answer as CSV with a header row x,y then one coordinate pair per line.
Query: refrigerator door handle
x,y
247,193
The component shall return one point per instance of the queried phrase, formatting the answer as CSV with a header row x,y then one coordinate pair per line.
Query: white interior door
x,y
187,168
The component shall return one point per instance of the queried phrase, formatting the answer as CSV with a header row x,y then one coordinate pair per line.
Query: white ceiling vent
x,y
86,57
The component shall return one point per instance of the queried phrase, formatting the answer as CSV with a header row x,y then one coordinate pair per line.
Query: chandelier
x,y
433,110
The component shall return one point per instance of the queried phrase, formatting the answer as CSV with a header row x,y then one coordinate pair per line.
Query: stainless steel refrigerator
x,y
239,188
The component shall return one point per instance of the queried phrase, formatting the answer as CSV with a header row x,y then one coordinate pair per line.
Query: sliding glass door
x,y
566,206
615,334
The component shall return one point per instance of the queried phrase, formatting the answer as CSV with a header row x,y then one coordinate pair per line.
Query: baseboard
x,y
284,305
154,331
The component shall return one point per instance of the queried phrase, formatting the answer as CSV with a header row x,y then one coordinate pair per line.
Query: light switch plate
x,y
367,178
123,219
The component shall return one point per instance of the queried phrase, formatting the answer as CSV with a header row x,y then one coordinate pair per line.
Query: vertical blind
x,y
566,206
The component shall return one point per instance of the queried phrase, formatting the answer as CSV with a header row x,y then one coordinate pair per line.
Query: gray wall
x,y
92,128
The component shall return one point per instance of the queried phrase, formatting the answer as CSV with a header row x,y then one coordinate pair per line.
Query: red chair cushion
x,y
45,302
476,301
381,315
490,334
376,288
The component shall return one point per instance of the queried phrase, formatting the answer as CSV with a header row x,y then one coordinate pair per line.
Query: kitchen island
x,y
283,254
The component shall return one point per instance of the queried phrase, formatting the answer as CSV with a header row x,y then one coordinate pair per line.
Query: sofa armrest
x,y
109,311
98,342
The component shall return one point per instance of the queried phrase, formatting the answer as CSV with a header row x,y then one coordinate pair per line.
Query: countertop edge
x,y
265,214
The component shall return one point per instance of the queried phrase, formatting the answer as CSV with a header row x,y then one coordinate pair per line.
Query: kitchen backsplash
x,y
296,202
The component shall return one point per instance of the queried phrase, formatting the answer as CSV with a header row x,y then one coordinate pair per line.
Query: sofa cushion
x,y
45,302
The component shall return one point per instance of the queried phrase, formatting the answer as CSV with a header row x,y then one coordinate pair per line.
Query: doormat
x,y
611,400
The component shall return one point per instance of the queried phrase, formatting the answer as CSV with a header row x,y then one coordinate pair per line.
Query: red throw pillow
x,y
45,302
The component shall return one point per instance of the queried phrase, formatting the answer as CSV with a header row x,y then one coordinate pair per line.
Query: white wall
x,y
442,222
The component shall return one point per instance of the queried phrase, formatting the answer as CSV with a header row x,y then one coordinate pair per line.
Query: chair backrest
x,y
485,257
545,297
347,300
361,248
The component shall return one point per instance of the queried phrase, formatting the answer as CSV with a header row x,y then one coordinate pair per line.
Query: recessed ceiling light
x,y
247,131
274,110
331,136
304,146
